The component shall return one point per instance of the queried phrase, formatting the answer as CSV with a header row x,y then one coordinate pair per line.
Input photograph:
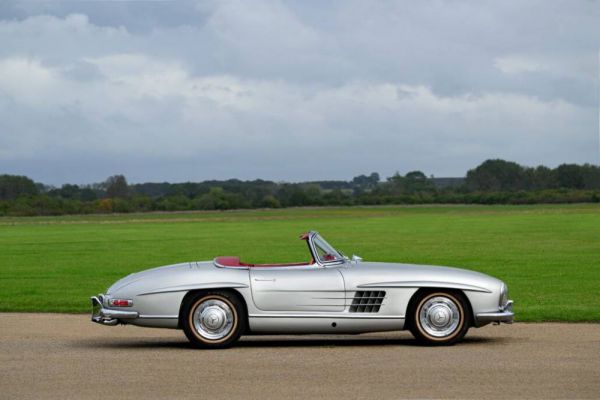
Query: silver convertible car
x,y
215,302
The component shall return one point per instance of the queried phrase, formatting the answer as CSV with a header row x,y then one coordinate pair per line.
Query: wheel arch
x,y
412,303
196,292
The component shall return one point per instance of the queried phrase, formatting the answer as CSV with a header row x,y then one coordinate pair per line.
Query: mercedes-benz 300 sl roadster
x,y
215,302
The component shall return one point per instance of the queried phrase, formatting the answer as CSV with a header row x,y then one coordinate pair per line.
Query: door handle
x,y
264,280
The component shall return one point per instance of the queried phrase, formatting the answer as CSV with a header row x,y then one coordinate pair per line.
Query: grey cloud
x,y
82,70
293,90
141,16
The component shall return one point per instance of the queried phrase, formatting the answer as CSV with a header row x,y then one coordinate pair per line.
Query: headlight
x,y
503,296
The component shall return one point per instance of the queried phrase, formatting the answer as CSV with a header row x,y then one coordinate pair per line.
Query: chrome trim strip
x,y
118,313
349,298
505,316
185,288
420,284
320,305
159,316
311,291
331,316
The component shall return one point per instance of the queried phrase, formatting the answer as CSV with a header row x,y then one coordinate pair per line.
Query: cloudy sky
x,y
305,90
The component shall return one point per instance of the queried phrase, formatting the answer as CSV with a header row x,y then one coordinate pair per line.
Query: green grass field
x,y
549,255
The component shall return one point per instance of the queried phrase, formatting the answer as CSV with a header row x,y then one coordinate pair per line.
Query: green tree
x,y
14,186
365,182
494,175
116,186
591,176
417,182
215,199
543,178
413,182
269,201
68,191
570,176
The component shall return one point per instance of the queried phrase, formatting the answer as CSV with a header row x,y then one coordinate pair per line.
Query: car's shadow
x,y
348,342
275,342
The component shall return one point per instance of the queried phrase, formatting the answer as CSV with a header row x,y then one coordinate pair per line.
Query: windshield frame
x,y
316,240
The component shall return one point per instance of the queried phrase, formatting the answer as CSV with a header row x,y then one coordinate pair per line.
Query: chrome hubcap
x,y
439,316
213,319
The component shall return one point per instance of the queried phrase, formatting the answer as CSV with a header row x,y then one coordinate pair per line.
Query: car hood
x,y
377,274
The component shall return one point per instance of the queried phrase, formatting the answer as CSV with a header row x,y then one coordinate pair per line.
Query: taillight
x,y
120,303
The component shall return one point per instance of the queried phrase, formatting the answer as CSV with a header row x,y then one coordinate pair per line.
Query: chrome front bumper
x,y
106,316
506,316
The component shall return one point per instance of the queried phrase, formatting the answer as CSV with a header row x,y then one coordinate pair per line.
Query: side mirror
x,y
356,258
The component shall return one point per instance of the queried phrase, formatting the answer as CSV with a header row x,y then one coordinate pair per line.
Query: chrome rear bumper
x,y
506,316
106,316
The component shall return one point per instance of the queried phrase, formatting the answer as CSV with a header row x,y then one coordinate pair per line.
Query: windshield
x,y
325,251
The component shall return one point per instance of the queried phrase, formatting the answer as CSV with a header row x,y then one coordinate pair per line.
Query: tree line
x,y
492,182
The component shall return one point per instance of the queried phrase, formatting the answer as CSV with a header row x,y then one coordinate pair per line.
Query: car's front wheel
x,y
439,318
213,320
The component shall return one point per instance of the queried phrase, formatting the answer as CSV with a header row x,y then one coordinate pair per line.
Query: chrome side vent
x,y
367,302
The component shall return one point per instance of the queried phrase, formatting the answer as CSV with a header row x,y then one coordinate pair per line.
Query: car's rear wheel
x,y
213,320
439,318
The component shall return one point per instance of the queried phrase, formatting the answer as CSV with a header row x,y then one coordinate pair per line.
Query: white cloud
x,y
516,65
74,25
27,80
294,92
142,98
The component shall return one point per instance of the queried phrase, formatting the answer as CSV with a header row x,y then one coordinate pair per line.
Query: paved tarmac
x,y
68,357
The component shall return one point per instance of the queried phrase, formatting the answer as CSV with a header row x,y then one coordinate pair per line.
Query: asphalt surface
x,y
67,356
